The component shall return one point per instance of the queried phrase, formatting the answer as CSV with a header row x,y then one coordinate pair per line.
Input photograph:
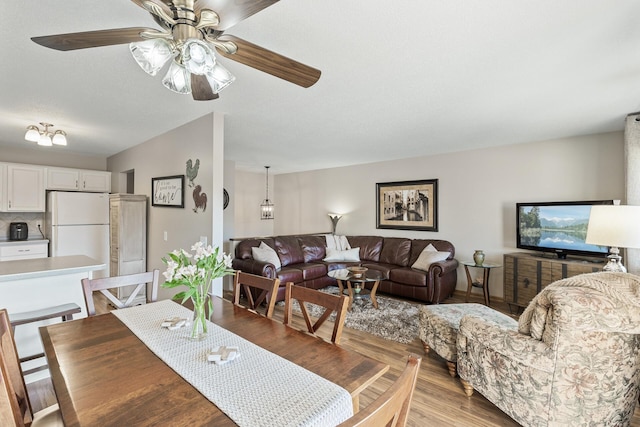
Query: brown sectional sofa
x,y
302,264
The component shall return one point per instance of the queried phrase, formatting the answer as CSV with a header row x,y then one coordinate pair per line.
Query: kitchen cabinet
x,y
10,251
128,239
78,180
25,188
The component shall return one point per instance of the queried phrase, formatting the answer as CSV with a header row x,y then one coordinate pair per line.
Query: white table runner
x,y
259,388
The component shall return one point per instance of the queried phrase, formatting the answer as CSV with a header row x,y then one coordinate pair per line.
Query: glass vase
x,y
478,257
200,317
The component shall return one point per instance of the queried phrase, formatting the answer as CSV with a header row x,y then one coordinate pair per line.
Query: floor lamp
x,y
617,227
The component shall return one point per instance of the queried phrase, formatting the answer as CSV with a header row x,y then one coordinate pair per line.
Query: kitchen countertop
x,y
46,267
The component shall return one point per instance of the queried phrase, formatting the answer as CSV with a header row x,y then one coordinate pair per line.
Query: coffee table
x,y
356,285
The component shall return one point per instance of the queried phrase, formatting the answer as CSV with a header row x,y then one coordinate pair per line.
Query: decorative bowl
x,y
357,272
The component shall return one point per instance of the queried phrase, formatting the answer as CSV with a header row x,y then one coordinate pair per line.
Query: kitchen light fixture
x,y
334,220
45,137
615,226
266,207
193,56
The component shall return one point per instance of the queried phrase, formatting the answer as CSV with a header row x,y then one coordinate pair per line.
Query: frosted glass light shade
x,y
197,57
177,79
59,138
151,55
45,140
32,135
219,77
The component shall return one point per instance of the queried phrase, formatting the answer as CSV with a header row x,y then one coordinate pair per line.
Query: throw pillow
x,y
350,255
428,256
264,253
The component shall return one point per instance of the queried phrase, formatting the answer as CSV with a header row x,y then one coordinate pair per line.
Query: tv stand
x,y
525,275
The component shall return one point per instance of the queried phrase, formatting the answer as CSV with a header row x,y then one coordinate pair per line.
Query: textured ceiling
x,y
399,79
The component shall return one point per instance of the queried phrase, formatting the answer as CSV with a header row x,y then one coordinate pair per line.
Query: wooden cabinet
x,y
78,180
525,275
11,251
25,188
128,238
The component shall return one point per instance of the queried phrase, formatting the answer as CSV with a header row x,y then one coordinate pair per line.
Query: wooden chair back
x,y
15,407
139,280
331,303
257,289
391,408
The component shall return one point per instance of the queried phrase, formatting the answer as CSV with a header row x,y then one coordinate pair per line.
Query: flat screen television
x,y
557,227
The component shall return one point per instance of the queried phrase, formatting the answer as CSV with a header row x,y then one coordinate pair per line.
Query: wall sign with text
x,y
168,191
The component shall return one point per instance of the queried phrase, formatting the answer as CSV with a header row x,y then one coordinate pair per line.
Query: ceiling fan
x,y
192,30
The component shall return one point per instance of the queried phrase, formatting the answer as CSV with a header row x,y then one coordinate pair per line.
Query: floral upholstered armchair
x,y
574,360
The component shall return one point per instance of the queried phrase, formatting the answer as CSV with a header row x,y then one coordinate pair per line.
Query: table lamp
x,y
617,227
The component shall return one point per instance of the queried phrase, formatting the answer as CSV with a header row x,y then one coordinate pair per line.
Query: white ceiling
x,y
400,78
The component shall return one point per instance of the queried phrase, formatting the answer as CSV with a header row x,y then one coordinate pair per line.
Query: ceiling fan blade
x,y
89,39
232,12
201,89
271,62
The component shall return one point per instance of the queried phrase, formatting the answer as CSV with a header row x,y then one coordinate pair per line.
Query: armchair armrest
x,y
510,343
442,267
255,267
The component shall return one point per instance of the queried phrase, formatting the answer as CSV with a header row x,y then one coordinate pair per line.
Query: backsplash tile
x,y
31,218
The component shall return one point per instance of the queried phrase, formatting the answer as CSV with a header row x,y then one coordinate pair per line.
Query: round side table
x,y
484,284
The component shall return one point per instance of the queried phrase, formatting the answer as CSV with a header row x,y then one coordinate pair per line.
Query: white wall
x,y
167,155
250,191
52,156
478,191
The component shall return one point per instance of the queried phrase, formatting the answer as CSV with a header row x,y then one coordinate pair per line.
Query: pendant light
x,y
266,207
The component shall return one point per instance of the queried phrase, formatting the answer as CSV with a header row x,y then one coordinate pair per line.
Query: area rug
x,y
394,320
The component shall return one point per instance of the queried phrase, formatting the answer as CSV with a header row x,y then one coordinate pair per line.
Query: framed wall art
x,y
168,191
408,205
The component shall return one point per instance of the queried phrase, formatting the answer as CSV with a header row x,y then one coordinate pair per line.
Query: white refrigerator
x,y
78,224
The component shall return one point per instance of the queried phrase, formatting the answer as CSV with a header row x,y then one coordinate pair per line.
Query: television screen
x,y
559,227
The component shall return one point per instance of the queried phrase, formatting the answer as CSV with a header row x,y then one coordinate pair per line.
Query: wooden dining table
x,y
104,375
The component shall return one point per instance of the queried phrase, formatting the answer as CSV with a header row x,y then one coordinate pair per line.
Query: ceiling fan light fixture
x,y
177,79
33,134
59,138
151,55
198,57
219,78
45,139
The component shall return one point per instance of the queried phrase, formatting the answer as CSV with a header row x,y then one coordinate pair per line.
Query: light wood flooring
x,y
438,399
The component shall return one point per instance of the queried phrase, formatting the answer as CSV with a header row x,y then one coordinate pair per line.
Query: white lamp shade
x,y
152,54
59,138
32,134
178,79
615,226
197,57
45,140
219,77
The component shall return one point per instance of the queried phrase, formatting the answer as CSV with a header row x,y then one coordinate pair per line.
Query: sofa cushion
x,y
243,249
264,253
384,269
311,271
418,245
428,256
289,250
395,250
313,248
408,276
289,274
370,246
350,255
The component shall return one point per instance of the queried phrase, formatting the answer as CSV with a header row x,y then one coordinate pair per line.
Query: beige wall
x,y
478,191
52,156
167,155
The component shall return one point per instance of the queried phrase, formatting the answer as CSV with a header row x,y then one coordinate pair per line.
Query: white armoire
x,y
128,238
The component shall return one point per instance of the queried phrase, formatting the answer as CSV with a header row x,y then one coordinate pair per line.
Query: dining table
x,y
104,374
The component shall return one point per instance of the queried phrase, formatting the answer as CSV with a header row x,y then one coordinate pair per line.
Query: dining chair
x,y
104,284
329,302
251,285
15,407
391,408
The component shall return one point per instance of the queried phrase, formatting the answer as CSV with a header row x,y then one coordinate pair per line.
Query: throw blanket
x,y
339,243
620,290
